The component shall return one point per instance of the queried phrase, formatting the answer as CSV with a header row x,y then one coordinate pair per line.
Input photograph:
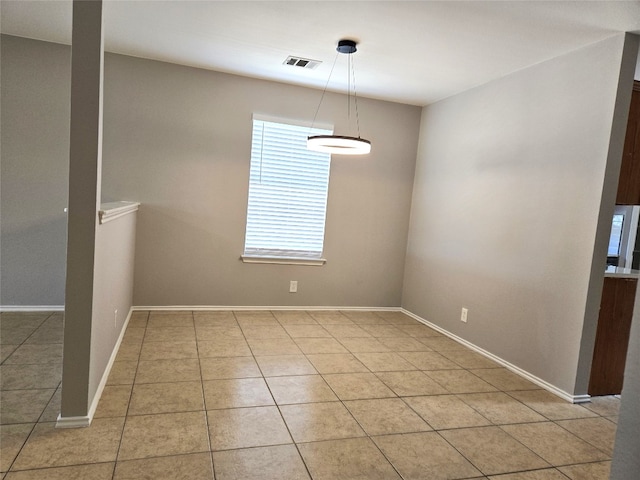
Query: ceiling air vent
x,y
301,62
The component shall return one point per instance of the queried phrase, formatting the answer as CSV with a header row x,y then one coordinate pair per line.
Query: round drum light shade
x,y
339,145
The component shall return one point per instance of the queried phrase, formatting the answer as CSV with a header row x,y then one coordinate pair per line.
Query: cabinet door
x,y
612,336
629,182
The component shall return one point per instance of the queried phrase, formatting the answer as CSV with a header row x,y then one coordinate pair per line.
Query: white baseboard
x,y
197,308
515,369
85,421
31,308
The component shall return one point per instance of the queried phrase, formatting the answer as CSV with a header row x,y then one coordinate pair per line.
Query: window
x,y
616,236
288,187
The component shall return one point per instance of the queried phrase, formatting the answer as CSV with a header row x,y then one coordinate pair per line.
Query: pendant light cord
x,y
355,95
324,91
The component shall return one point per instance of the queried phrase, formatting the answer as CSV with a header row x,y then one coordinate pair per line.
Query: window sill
x,y
317,262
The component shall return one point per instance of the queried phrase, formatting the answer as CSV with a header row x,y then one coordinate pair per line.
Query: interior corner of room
x,y
524,215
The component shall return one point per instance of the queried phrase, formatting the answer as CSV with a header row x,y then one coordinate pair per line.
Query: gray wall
x,y
505,210
34,113
177,139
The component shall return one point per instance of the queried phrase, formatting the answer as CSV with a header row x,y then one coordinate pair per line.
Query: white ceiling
x,y
414,52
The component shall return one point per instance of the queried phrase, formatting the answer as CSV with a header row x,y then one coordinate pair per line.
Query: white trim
x,y
250,307
517,370
85,421
111,211
31,308
284,260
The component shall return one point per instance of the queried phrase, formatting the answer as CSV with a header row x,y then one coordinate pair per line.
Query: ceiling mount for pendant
x,y
342,144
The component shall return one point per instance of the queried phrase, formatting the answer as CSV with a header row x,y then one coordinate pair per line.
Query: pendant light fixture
x,y
341,144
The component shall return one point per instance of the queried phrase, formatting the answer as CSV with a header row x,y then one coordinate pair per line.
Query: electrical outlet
x,y
115,318
293,286
463,315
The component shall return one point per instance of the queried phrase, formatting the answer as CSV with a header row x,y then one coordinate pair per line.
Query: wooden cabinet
x,y
612,336
629,182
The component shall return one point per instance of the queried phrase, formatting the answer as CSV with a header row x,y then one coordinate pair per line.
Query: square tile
x,y
122,373
345,331
386,416
378,331
224,347
545,474
12,438
504,380
553,443
404,344
300,389
587,471
419,330
273,346
210,333
551,406
26,377
320,345
264,331
52,411
295,317
446,411
236,392
307,331
246,427
608,406
150,398
411,383
177,319
352,458
254,317
164,434
98,471
429,361
217,368
353,386
460,381
36,353
23,406
329,317
500,408
384,362
166,371
442,344
599,432
363,317
129,352
285,365
223,318
336,363
360,344
51,447
114,401
169,334
134,335
6,351
492,451
312,422
469,359
425,456
195,466
260,463
139,319
168,350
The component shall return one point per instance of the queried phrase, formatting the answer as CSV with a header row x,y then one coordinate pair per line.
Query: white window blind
x,y
288,187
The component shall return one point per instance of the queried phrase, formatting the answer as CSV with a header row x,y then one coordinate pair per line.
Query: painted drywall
x,y
506,201
34,112
177,139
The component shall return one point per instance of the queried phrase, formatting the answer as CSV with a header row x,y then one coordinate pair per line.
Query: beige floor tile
x,y
134,335
253,315
51,447
25,377
360,344
237,392
460,381
545,474
12,438
150,398
442,344
169,334
556,445
446,411
329,317
313,422
129,352
379,331
419,330
425,456
164,434
429,361
411,383
599,432
122,373
384,362
224,347
300,389
613,419
273,346
353,458
214,319
285,365
504,380
98,471
500,408
258,321
15,336
6,351
114,401
357,386
404,344
23,406
217,368
551,406
139,319
46,334
264,331
469,359
307,331
397,318
246,427
386,416
157,319
587,471
295,317
608,406
165,371
320,345
195,466
206,334
36,353
168,350
492,451
346,331
336,363
280,462
364,317
52,411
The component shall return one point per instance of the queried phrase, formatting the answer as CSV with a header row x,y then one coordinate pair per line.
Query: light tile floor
x,y
291,395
